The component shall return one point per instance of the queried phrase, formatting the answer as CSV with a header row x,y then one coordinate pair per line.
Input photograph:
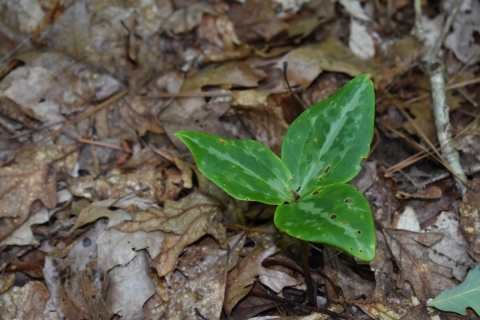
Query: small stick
x,y
440,107
304,249
417,31
103,144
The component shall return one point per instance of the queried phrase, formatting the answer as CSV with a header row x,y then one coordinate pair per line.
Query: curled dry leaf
x,y
306,63
223,75
23,235
240,279
183,222
32,176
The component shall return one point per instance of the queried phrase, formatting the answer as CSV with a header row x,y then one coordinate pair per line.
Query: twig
x,y
441,110
417,31
102,144
470,170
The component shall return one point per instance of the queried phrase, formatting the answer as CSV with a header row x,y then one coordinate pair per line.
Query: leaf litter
x,y
103,213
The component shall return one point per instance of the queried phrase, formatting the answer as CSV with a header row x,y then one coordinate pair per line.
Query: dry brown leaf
x,y
240,279
163,184
223,75
306,63
78,286
470,218
351,284
189,17
217,38
410,250
183,221
255,20
252,305
381,196
262,116
28,302
194,114
32,176
131,286
198,282
381,310
23,235
6,282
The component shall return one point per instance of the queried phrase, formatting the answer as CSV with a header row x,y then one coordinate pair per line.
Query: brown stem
x,y
304,249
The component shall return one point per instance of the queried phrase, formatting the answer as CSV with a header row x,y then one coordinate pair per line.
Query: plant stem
x,y
304,250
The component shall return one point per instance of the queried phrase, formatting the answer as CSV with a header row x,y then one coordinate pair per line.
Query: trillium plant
x,y
321,151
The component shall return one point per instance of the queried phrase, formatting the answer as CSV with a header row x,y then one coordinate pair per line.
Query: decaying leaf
x,y
470,218
452,250
198,281
162,184
241,278
381,310
223,75
23,235
131,286
183,222
33,176
306,63
410,250
77,285
31,301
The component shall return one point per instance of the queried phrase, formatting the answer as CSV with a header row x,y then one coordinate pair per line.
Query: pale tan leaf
x,y
33,176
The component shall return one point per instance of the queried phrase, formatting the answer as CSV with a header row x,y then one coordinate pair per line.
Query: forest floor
x,y
104,214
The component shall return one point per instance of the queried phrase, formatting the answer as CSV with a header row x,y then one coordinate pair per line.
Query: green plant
x,y
321,151
463,296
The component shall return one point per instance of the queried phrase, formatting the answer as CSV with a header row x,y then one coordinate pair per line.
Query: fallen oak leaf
x,y
183,222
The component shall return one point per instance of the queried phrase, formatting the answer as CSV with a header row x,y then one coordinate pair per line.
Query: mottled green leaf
x,y
326,143
245,169
465,295
337,214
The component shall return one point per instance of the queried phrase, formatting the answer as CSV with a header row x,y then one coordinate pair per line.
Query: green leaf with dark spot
x,y
326,143
337,214
245,169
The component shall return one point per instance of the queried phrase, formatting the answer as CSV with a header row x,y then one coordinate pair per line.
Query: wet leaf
x,y
245,169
